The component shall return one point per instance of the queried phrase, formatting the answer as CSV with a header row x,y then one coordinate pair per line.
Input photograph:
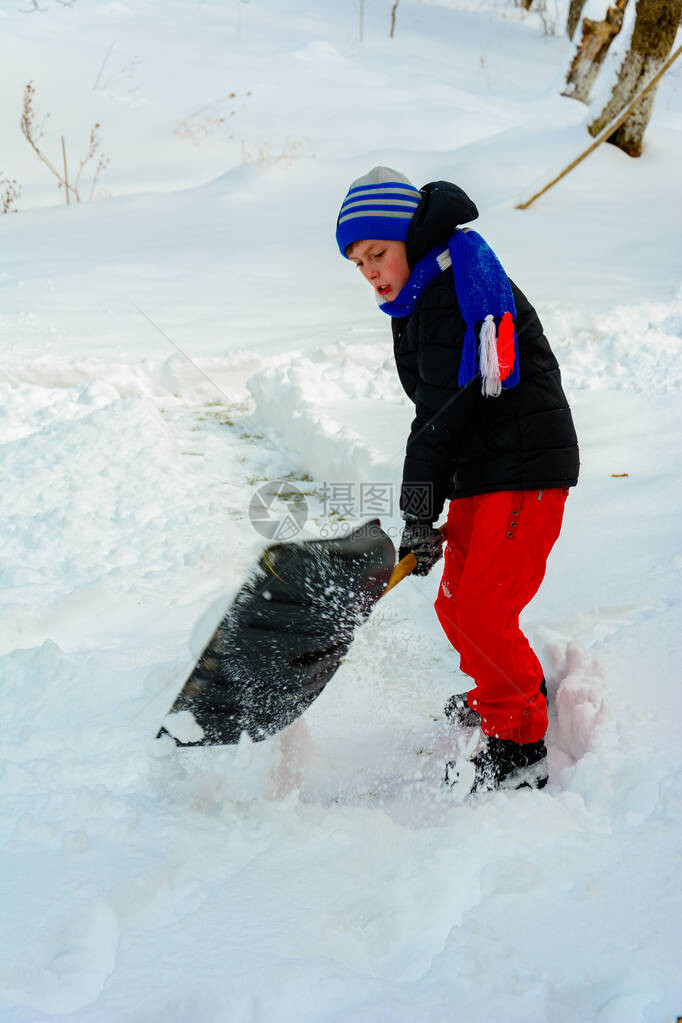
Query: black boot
x,y
501,764
461,715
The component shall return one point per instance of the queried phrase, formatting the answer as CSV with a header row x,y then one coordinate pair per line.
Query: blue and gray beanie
x,y
378,205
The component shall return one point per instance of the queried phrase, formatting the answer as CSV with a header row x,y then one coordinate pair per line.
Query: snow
x,y
169,348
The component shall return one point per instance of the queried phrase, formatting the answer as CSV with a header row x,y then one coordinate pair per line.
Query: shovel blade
x,y
284,636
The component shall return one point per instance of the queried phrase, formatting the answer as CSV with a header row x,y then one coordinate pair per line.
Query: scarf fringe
x,y
498,357
506,345
491,382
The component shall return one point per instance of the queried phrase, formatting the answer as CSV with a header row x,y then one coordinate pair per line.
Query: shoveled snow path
x,y
326,857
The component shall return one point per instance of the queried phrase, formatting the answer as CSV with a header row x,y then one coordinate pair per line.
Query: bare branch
x,y
106,58
393,13
35,7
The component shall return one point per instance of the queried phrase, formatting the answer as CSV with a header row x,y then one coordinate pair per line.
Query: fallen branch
x,y
607,132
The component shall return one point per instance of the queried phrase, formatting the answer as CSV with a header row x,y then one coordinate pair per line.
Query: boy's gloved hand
x,y
422,540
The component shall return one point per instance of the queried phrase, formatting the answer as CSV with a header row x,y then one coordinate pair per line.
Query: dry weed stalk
x,y
264,158
210,118
33,132
11,190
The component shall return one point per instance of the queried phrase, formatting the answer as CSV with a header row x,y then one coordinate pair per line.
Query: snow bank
x,y
343,407
199,380
101,506
633,347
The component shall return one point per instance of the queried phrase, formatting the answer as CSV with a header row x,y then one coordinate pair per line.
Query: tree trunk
x,y
574,12
589,57
652,40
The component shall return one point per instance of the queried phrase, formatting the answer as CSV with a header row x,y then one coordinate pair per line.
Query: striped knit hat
x,y
378,205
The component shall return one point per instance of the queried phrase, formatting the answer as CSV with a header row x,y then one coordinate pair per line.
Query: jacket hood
x,y
443,207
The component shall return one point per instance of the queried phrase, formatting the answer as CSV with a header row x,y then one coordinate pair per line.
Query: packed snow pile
x,y
632,347
100,497
172,347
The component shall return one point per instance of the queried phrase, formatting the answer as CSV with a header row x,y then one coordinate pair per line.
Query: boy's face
x,y
383,264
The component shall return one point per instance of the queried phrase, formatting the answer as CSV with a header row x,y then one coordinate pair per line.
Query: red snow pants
x,y
495,560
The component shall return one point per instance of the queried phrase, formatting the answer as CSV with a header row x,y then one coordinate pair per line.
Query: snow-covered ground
x,y
193,334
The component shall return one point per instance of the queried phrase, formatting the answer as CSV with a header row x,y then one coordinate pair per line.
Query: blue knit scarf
x,y
484,295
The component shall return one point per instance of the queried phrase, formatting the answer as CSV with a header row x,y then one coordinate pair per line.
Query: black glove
x,y
422,540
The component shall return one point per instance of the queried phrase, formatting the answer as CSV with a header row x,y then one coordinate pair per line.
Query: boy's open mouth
x,y
384,288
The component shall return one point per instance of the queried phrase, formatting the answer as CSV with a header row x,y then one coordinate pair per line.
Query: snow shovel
x,y
284,636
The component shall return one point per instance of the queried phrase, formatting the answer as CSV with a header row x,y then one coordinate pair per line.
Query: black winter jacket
x,y
462,443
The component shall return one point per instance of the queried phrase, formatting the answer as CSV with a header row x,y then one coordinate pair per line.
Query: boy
x,y
493,432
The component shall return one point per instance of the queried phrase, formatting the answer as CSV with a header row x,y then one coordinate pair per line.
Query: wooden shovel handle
x,y
408,564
